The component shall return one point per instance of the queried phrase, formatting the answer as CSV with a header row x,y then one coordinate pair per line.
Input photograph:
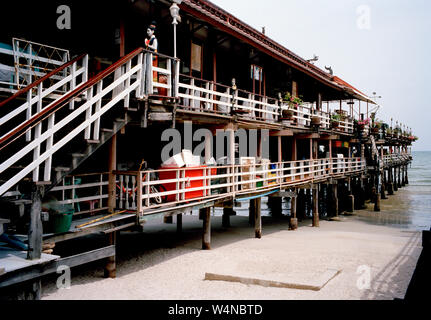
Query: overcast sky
x,y
380,46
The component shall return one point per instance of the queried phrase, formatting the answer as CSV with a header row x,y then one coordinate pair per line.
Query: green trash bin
x,y
61,219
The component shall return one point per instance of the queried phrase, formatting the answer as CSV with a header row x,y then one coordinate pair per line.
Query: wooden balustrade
x,y
165,188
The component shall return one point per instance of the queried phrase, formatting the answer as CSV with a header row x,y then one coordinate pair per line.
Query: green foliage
x,y
293,102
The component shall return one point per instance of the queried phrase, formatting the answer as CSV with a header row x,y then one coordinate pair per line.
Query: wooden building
x,y
81,127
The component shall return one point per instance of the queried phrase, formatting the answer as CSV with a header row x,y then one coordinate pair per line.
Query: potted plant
x,y
388,132
292,104
376,126
335,120
363,123
315,120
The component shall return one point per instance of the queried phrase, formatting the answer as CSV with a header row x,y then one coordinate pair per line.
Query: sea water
x,y
409,207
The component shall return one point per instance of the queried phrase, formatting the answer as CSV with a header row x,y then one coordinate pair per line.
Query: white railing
x,y
207,96
202,95
395,158
167,187
55,126
38,97
88,193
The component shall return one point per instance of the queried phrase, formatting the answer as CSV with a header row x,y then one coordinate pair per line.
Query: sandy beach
x,y
159,264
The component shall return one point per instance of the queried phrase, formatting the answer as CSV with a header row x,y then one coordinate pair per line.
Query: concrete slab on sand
x,y
280,280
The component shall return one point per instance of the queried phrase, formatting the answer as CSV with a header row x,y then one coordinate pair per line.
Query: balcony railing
x,y
395,158
200,95
164,188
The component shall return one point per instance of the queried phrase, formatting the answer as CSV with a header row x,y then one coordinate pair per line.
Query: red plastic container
x,y
191,172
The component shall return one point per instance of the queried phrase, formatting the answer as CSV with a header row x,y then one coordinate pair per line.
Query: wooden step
x,y
93,141
78,155
107,130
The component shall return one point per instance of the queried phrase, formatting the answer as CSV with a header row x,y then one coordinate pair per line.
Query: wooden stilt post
x,y
112,176
383,187
206,234
377,194
390,183
293,218
168,219
403,175
227,212
399,177
350,197
394,175
258,218
179,223
300,205
35,231
407,176
377,202
309,202
362,191
276,206
251,212
316,205
335,198
110,267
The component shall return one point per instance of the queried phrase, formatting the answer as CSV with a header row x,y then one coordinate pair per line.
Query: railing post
x,y
192,94
138,92
87,133
127,96
139,194
169,63
37,132
49,142
142,90
72,85
150,74
84,74
229,102
177,77
28,114
147,189
96,126
85,66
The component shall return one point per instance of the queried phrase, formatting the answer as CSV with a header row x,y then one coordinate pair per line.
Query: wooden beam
x,y
280,150
206,228
22,275
35,227
293,218
281,133
294,149
258,218
308,136
316,206
330,137
112,176
111,266
179,223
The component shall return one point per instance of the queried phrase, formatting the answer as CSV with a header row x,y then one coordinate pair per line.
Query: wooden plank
x,y
281,133
314,285
50,266
35,228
